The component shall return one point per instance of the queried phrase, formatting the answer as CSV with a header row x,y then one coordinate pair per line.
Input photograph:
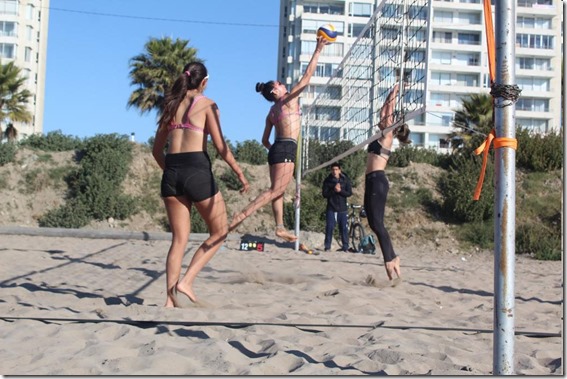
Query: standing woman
x,y
285,117
376,182
187,120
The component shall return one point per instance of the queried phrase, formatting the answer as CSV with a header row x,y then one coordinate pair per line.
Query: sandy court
x,y
275,312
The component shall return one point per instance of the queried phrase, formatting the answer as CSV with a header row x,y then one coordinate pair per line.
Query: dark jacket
x,y
337,201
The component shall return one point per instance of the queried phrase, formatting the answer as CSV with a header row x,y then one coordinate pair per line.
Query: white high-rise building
x,y
457,57
23,40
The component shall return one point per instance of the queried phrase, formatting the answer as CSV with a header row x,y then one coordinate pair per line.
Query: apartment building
x,y
457,60
23,40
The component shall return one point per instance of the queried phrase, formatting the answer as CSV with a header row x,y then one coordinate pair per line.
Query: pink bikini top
x,y
187,125
281,113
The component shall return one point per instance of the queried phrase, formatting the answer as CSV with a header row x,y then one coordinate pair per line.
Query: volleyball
x,y
328,32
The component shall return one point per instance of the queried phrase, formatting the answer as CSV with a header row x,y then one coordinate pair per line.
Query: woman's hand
x,y
245,184
321,42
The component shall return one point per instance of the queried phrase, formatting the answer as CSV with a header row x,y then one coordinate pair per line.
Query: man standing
x,y
336,189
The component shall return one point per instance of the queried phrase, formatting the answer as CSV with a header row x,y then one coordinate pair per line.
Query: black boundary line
x,y
379,324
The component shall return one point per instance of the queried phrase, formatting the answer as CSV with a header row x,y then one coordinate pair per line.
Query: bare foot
x,y
284,234
393,267
171,301
187,291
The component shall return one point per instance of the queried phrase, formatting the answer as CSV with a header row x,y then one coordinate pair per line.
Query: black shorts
x,y
282,151
189,175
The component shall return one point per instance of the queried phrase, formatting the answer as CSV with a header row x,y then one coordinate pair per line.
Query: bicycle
x,y
356,231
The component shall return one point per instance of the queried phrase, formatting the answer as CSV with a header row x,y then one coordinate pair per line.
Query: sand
x,y
90,306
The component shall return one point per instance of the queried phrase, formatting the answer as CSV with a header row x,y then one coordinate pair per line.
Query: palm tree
x,y
156,69
474,117
13,98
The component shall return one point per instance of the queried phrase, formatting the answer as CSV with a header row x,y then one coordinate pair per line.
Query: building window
x,y
534,3
534,41
440,99
532,105
8,6
333,50
28,54
533,124
441,78
328,113
533,22
442,37
324,8
469,39
7,50
531,63
7,29
29,32
322,69
441,57
467,80
533,84
29,12
469,18
323,92
356,29
443,17
360,10
357,114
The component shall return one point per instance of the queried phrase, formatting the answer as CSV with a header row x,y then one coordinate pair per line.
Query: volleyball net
x,y
390,49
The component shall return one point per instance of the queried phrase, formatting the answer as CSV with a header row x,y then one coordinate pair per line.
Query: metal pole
x,y
505,199
563,128
298,165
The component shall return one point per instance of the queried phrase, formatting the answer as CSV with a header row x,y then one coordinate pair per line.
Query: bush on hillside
x,y
402,156
457,187
312,214
7,153
539,152
94,189
52,141
353,165
251,151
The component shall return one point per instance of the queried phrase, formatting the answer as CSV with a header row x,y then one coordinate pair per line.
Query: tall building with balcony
x,y
23,40
457,58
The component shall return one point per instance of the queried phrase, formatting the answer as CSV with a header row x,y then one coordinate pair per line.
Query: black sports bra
x,y
376,148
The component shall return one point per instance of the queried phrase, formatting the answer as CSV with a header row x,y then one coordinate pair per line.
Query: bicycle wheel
x,y
356,236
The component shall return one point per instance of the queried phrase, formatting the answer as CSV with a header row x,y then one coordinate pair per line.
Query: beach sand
x,y
78,306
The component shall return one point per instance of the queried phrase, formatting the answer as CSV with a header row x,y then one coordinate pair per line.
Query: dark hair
x,y
190,78
336,164
266,90
402,134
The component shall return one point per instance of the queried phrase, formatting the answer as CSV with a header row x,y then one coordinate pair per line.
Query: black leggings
x,y
375,194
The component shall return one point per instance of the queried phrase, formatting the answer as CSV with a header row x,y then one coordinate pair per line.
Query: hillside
x,y
34,184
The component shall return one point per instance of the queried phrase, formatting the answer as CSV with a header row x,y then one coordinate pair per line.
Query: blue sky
x,y
87,84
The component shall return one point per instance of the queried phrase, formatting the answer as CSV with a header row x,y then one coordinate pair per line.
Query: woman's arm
x,y
214,128
387,111
310,70
267,133
159,144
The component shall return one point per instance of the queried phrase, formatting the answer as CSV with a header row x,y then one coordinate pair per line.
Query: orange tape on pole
x,y
484,148
490,40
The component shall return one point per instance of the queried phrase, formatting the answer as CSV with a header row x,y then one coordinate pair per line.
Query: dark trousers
x,y
332,219
375,195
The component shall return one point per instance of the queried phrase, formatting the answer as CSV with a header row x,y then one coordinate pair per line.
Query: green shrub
x,y
353,165
7,153
539,152
478,233
402,156
73,214
538,240
313,206
251,151
94,189
457,187
231,181
52,141
35,180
